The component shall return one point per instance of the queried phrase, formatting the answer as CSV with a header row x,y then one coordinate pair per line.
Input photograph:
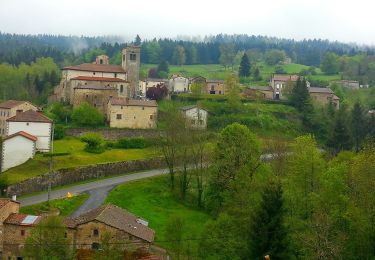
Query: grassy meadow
x,y
76,157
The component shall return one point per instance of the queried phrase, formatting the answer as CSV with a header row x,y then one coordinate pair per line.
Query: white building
x,y
195,117
178,84
17,149
33,123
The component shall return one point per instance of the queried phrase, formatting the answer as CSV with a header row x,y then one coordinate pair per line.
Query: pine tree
x,y
163,67
244,70
340,138
371,127
137,41
301,100
357,123
256,74
268,236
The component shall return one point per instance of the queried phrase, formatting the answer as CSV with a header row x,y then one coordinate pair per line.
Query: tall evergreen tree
x,y
301,100
245,66
137,41
268,236
340,138
357,125
371,127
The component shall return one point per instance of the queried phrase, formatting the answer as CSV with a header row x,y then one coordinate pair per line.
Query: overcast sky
x,y
348,21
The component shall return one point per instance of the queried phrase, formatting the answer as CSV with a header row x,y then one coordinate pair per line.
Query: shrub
x,y
93,142
59,132
131,143
86,115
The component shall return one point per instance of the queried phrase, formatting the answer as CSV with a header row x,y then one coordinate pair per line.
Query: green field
x,y
65,206
152,200
77,157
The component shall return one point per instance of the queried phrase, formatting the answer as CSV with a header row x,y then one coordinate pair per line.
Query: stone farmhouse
x,y
9,109
124,78
352,84
210,86
195,117
132,113
278,83
84,232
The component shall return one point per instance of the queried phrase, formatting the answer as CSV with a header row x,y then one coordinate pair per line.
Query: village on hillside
x,y
145,123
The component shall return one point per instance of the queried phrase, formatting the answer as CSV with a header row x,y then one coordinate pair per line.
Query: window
x,y
87,96
133,56
93,73
27,123
22,232
118,116
123,57
143,108
220,92
151,117
95,232
121,88
65,235
101,61
121,107
115,75
95,246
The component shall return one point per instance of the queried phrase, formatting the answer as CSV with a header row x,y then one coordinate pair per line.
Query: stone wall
x,y
83,173
113,134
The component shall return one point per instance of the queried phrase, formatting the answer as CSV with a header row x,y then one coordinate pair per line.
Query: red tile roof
x,y
99,79
132,102
22,133
116,217
17,219
11,103
4,202
96,68
279,77
30,116
320,90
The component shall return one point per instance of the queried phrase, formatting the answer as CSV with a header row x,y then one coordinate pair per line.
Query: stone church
x,y
100,75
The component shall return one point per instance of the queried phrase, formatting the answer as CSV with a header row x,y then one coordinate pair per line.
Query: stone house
x,y
84,232
178,84
352,84
16,149
132,113
124,228
195,117
101,73
9,109
324,96
96,96
280,81
35,124
147,83
215,87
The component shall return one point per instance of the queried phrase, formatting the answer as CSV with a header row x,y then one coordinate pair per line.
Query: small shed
x,y
195,117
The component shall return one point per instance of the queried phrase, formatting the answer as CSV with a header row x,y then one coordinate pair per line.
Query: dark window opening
x,y
95,246
118,116
133,56
95,232
22,232
121,88
101,61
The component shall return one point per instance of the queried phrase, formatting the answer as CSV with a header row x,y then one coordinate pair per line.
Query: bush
x,y
86,115
93,142
131,143
59,132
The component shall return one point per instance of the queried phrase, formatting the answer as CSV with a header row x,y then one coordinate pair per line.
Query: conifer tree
x,y
268,236
244,70
357,125
340,138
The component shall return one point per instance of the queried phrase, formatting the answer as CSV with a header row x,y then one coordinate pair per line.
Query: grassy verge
x,y
77,157
65,206
152,200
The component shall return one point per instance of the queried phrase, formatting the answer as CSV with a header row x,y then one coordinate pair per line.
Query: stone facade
x,y
352,84
9,109
77,174
7,207
215,87
324,96
135,114
131,62
96,96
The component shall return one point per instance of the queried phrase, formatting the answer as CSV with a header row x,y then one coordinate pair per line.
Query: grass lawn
x,y
77,157
152,200
66,206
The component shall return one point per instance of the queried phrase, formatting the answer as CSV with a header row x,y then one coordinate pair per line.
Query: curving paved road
x,y
98,190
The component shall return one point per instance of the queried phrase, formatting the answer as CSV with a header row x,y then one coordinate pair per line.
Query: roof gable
x,y
23,134
30,116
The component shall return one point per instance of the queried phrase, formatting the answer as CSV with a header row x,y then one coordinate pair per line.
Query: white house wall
x,y
196,115
41,130
16,151
69,74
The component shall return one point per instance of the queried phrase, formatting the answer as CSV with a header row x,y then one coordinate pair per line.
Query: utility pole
x,y
50,165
